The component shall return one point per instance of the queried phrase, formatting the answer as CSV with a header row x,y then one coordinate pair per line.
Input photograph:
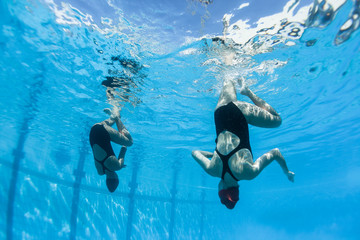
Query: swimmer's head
x,y
229,197
112,183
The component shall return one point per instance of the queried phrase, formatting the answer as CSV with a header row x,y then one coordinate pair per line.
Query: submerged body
x,y
232,159
105,160
225,117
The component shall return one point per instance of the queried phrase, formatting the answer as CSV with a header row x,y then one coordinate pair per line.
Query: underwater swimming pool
x,y
169,60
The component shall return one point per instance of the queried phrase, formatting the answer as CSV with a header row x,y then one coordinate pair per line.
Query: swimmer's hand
x,y
290,176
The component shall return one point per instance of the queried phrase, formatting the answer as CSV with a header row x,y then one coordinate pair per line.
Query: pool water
x,y
302,57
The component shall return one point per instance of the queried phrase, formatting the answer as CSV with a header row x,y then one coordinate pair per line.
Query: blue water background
x,y
51,94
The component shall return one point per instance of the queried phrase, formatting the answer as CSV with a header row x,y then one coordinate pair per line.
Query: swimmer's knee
x,y
128,143
278,121
275,150
275,121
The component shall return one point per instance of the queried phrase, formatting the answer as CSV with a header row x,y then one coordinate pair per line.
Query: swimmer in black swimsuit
x,y
105,160
232,160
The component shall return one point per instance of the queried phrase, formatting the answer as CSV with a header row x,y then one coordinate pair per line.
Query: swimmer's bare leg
x,y
122,129
122,136
115,117
110,121
228,94
258,101
267,158
262,114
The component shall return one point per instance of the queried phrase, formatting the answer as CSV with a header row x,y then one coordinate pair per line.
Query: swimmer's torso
x,y
241,159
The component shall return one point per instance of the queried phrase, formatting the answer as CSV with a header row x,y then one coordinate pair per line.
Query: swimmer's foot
x,y
241,81
115,113
244,90
290,176
107,111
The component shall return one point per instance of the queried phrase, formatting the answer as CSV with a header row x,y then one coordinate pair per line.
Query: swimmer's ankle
x,y
115,113
244,90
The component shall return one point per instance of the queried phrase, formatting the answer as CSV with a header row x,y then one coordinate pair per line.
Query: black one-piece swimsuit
x,y
230,118
99,136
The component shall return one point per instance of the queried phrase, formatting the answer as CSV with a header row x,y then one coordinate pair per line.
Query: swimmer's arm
x,y
122,156
265,160
202,157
